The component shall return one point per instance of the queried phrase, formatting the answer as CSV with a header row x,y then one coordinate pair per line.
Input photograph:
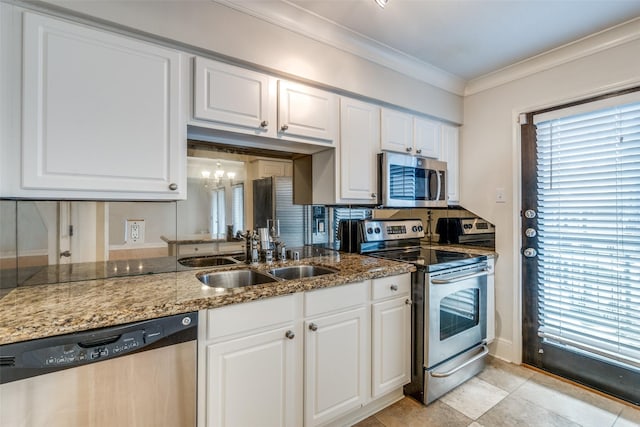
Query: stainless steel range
x,y
449,309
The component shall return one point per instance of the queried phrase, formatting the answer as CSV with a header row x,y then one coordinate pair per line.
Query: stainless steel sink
x,y
300,271
234,278
207,261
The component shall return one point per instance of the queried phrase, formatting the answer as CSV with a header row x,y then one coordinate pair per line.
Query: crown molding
x,y
589,45
291,17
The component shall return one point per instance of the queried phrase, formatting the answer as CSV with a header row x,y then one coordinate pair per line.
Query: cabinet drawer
x,y
250,316
205,248
231,248
391,286
333,299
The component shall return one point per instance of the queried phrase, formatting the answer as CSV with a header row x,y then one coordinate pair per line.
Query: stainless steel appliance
x,y
449,309
273,199
467,231
410,181
138,374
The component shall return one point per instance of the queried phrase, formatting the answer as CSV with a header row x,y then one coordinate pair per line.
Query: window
x,y
237,207
588,167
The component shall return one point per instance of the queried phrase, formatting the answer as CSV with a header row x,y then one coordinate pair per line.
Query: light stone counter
x,y
31,312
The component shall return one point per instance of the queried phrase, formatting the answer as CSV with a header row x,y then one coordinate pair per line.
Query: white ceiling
x,y
467,38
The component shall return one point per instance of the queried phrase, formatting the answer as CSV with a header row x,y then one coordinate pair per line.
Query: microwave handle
x,y
439,175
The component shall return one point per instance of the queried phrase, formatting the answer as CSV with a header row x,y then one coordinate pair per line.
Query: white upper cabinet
x,y
102,115
426,137
397,131
359,141
450,153
409,134
306,112
233,97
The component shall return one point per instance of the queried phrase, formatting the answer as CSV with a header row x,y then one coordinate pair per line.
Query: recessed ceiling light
x,y
381,3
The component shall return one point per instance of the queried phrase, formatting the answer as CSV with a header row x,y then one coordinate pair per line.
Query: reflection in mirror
x,y
8,246
60,241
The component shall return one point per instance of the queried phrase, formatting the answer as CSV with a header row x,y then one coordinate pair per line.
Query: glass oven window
x,y
459,312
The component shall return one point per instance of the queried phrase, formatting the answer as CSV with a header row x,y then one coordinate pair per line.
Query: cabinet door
x,y
396,131
102,113
256,380
450,155
306,112
426,137
391,335
336,353
359,141
230,95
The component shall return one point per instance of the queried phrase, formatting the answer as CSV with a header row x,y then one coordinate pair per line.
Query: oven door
x,y
455,312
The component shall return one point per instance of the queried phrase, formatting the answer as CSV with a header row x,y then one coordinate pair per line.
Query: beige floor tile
x,y
474,398
410,413
515,411
372,421
475,424
629,417
504,375
574,403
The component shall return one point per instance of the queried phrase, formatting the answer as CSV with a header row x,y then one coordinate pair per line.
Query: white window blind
x,y
237,207
589,231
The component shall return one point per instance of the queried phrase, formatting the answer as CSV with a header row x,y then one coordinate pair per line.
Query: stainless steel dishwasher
x,y
137,374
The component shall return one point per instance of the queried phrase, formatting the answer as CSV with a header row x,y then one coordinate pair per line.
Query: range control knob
x,y
420,228
369,230
377,230
414,228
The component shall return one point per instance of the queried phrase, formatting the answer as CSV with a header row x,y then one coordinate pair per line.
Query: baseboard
x,y
367,410
505,350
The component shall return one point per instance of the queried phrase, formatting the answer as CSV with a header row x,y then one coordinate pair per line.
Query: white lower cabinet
x,y
336,365
323,357
391,344
252,381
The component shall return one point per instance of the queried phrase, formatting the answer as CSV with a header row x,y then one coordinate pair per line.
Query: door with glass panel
x,y
581,242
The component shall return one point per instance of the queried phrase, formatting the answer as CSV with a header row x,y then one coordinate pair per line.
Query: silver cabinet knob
x,y
419,151
313,327
530,252
290,335
284,127
394,287
409,149
374,196
65,254
264,124
173,186
408,301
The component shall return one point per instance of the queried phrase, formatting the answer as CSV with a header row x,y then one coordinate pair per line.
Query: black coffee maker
x,y
348,232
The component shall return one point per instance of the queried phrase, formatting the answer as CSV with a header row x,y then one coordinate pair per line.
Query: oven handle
x,y
485,351
460,278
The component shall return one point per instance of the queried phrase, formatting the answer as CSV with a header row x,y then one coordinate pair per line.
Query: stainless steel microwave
x,y
410,181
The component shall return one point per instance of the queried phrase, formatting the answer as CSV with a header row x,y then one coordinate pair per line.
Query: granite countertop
x,y
31,312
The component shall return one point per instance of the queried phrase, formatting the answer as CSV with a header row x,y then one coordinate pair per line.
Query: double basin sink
x,y
248,276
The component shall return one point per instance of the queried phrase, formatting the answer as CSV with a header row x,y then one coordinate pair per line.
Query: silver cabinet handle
x,y
290,335
419,151
394,287
313,327
264,124
408,301
65,254
409,149
173,186
284,127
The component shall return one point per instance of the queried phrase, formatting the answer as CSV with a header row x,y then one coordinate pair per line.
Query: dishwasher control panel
x,y
31,358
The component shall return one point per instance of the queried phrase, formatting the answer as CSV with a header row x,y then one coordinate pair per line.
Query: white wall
x,y
224,31
490,156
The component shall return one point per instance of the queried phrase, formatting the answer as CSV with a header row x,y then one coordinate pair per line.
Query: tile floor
x,y
509,395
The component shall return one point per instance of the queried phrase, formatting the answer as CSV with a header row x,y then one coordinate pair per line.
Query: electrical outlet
x,y
500,195
134,231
